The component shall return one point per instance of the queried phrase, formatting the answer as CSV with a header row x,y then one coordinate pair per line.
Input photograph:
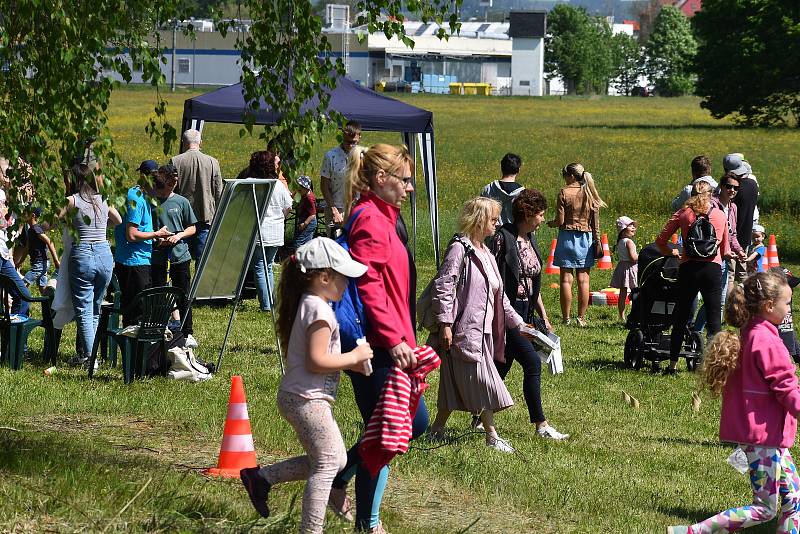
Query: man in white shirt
x,y
333,176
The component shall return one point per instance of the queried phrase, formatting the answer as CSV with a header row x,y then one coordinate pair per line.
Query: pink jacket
x,y
385,287
464,304
761,399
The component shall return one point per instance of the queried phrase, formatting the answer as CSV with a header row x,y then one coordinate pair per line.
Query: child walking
x,y
316,274
625,273
760,404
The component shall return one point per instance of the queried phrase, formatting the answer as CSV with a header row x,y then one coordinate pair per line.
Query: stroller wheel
x,y
632,355
696,345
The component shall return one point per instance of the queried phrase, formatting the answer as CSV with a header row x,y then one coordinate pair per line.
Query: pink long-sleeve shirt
x,y
385,287
683,219
761,399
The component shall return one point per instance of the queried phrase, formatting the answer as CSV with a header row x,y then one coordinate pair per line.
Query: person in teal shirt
x,y
134,244
171,254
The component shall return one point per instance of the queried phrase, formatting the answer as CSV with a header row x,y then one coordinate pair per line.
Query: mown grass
x,y
98,455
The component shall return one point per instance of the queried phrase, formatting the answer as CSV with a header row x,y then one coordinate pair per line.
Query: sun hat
x,y
624,222
708,179
736,164
758,228
148,166
324,253
305,182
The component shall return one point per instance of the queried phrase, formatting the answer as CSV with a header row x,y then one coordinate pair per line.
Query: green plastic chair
x,y
156,305
14,334
108,343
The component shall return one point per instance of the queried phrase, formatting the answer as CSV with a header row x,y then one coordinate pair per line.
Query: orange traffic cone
x,y
772,253
605,261
552,269
237,451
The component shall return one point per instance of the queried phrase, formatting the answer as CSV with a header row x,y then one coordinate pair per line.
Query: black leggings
x,y
520,349
693,277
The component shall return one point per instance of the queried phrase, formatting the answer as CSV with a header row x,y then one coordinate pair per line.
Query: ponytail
x,y
700,201
293,283
584,178
722,354
364,164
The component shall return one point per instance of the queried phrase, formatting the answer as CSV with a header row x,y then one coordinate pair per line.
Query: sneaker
x,y
257,489
678,530
499,444
96,364
340,504
548,432
191,342
78,361
582,322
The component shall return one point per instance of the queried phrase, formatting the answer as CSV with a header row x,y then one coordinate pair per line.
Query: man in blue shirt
x,y
134,244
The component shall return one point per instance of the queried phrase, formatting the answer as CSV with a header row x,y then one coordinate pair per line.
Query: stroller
x,y
650,319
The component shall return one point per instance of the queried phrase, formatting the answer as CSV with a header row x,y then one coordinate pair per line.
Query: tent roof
x,y
375,111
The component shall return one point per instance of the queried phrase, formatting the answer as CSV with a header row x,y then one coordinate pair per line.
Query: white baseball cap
x,y
325,253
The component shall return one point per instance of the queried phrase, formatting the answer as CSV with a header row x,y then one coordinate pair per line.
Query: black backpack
x,y
701,239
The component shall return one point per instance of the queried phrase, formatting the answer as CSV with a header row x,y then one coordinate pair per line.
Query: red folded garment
x,y
389,429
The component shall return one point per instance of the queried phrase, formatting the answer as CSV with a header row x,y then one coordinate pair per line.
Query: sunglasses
x,y
731,187
405,179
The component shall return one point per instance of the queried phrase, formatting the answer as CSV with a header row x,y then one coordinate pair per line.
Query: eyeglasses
x,y
407,180
732,187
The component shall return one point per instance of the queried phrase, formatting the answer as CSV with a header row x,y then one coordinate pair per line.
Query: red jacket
x,y
385,287
389,429
761,399
683,219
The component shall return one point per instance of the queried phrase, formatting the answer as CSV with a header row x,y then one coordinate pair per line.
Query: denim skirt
x,y
574,250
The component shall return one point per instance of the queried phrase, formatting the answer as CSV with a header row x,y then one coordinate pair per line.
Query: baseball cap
x,y
736,164
305,182
148,166
708,179
624,222
324,253
758,228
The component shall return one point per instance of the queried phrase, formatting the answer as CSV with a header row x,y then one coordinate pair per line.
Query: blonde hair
x,y
584,178
700,201
364,164
722,354
475,214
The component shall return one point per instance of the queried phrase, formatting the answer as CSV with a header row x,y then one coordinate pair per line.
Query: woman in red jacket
x,y
382,175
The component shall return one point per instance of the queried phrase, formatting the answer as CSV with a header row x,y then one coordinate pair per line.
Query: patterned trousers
x,y
776,488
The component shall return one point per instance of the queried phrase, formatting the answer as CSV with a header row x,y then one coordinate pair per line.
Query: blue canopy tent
x,y
374,111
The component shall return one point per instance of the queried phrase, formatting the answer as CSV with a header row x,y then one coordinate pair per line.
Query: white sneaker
x,y
191,342
499,444
548,432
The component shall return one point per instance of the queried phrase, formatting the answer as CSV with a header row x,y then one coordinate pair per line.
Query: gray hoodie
x,y
495,191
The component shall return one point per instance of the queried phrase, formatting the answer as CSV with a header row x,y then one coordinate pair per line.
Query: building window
x,y
525,83
183,65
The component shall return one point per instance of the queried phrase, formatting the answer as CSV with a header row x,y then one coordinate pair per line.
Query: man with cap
x,y
745,201
176,213
134,243
306,213
200,181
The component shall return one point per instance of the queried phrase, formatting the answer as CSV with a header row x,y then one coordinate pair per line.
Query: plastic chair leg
x,y
128,366
15,351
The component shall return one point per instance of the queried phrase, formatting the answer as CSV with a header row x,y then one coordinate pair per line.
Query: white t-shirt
x,y
272,224
298,379
334,167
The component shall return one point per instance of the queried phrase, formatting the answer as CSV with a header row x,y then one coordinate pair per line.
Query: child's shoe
x,y
548,432
499,444
678,530
257,488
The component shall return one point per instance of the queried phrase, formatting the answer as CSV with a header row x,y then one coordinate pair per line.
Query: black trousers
x,y
704,277
132,281
180,277
520,349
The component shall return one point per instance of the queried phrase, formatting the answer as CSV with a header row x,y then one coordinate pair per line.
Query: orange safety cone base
x,y
227,472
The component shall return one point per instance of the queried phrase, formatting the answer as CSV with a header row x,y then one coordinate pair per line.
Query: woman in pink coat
x,y
473,312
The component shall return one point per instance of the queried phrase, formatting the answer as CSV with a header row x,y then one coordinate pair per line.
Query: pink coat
x,y
464,306
761,399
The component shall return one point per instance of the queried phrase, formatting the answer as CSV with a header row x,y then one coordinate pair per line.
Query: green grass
x,y
101,455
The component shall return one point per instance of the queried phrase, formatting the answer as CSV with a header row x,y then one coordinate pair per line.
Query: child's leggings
x,y
319,434
773,476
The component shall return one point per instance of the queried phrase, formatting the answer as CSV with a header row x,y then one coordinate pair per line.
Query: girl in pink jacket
x,y
760,404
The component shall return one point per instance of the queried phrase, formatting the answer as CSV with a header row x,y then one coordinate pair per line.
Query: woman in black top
x,y
520,263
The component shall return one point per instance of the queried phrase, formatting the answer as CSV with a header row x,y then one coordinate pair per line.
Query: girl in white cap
x,y
315,275
625,273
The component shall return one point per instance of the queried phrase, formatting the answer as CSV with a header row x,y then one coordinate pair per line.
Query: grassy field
x,y
100,456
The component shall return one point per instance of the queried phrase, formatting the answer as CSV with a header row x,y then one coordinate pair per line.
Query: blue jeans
x,y
265,294
369,491
18,305
37,274
306,235
198,241
90,268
